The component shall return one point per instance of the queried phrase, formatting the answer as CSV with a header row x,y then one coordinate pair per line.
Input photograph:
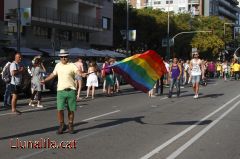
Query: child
x,y
92,79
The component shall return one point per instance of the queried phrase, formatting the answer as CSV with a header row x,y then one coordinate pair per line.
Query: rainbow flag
x,y
141,70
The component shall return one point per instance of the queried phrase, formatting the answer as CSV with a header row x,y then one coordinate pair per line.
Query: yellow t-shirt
x,y
219,67
235,67
66,75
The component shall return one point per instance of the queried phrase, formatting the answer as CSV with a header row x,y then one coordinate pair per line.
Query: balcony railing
x,y
62,17
194,1
98,2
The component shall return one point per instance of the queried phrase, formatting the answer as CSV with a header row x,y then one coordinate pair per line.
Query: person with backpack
x,y
16,70
6,77
175,74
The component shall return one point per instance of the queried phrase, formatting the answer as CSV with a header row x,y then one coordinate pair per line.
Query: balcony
x,y
193,1
57,17
97,3
227,13
228,5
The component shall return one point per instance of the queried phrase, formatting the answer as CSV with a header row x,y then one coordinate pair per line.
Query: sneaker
x,y
40,106
70,128
62,128
196,96
31,104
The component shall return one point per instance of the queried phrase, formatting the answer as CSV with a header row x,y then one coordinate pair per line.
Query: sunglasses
x,y
64,57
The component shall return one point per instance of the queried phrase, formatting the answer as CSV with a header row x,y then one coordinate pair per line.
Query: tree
x,y
209,42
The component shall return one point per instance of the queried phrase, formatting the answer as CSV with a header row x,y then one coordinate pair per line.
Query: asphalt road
x,y
131,125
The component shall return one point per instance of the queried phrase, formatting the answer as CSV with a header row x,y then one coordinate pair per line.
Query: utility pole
x,y
168,30
18,26
127,39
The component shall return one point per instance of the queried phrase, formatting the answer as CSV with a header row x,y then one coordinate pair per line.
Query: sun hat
x,y
63,52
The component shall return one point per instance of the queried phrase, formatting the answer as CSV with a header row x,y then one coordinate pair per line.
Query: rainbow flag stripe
x,y
141,70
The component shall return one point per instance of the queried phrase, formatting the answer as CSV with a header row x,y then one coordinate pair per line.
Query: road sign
x,y
164,42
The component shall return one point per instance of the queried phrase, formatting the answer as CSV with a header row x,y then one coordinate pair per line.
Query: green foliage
x,y
151,26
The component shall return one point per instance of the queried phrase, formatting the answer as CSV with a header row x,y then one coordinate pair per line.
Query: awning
x,y
27,51
97,53
113,53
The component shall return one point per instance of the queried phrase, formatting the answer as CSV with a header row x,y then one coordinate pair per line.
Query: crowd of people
x,y
194,72
71,75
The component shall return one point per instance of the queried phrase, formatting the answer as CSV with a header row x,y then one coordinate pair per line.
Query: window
x,y
182,9
157,2
81,36
65,35
169,1
42,32
106,23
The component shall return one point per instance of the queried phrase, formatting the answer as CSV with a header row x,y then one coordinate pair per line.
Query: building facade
x,y
65,23
177,6
223,8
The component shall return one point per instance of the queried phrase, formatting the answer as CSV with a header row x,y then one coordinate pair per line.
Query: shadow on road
x,y
40,131
205,122
211,96
114,122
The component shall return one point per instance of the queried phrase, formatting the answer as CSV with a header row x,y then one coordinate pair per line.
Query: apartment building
x,y
66,23
176,6
224,8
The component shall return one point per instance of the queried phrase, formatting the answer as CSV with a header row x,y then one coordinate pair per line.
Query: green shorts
x,y
66,97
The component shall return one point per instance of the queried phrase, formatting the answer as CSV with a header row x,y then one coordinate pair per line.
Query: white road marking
x,y
164,98
201,133
102,115
159,148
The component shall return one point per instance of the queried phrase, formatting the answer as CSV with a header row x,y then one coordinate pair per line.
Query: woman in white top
x,y
196,67
92,79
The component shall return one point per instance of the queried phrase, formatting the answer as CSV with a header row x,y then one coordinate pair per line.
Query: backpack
x,y
6,75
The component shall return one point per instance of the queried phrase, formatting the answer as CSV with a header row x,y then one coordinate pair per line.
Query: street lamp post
x,y
168,30
127,40
18,26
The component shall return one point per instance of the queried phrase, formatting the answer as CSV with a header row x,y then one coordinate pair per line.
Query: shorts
x,y
109,80
66,97
15,89
78,78
196,79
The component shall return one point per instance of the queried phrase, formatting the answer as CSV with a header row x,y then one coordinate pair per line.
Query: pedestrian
x,y
103,73
196,67
37,70
107,72
186,72
92,79
117,79
166,77
78,78
17,71
225,69
6,77
211,69
236,69
219,69
175,77
66,90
